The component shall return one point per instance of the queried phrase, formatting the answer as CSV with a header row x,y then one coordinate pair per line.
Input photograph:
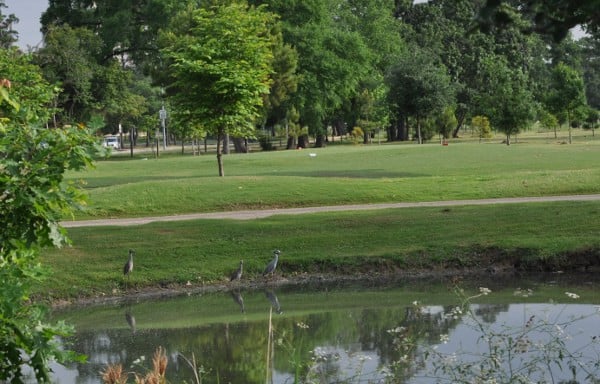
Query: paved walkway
x,y
256,214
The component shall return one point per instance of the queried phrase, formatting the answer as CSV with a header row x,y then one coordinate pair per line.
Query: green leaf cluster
x,y
34,197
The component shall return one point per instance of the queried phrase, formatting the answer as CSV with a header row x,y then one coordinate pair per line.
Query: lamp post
x,y
162,114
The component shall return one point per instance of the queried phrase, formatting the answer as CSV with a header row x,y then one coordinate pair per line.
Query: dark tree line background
x,y
410,70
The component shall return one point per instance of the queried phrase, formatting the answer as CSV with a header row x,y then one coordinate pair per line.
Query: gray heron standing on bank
x,y
237,275
270,268
128,267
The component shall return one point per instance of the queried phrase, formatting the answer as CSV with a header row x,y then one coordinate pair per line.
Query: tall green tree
x,y
118,101
590,48
128,29
220,61
567,93
332,59
419,87
34,198
380,31
507,101
284,81
68,59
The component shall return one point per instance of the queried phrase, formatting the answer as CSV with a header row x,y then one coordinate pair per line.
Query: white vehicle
x,y
111,142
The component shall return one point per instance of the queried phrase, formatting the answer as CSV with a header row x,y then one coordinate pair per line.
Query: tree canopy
x,y
326,56
552,17
220,61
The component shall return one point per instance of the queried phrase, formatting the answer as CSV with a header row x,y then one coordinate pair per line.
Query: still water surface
x,y
335,333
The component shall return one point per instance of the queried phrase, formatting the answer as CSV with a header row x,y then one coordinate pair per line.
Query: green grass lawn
x,y
206,251
337,175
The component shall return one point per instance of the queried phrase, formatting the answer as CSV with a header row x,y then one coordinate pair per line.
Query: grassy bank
x,y
195,253
123,187
524,236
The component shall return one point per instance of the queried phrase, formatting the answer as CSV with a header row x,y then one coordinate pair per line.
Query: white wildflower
x,y
455,313
484,291
386,372
444,338
302,325
396,330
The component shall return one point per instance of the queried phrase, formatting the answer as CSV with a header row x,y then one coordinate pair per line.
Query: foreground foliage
x,y
34,197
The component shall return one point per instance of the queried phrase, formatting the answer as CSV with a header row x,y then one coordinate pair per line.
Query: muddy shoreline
x,y
299,280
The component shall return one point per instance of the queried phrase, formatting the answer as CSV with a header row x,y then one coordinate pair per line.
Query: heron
x,y
237,275
270,268
128,267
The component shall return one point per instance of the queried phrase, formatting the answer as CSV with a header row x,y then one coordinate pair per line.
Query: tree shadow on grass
x,y
359,174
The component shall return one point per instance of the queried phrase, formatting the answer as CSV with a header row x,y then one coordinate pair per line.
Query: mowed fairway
x,y
338,175
195,253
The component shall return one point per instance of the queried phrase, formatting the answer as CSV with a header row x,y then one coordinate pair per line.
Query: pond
x,y
407,331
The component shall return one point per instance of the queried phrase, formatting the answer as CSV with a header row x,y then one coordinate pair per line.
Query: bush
x,y
357,134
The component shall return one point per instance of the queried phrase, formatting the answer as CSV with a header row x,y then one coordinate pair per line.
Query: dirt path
x,y
256,214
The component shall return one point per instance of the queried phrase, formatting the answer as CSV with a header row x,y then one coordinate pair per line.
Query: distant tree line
x,y
328,66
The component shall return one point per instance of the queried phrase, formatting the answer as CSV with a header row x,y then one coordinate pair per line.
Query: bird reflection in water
x,y
274,301
237,297
130,321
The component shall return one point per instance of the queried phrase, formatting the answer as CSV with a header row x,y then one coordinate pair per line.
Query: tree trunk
x,y
569,126
131,143
156,140
402,130
302,141
220,155
459,122
319,141
239,145
508,139
338,128
225,143
419,137
391,133
291,142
